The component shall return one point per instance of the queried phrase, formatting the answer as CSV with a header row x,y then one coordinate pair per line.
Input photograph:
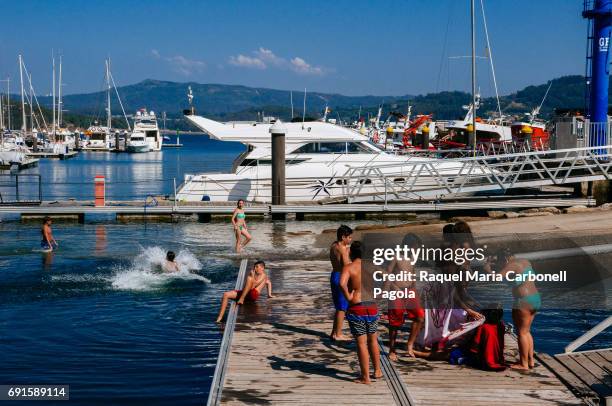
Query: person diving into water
x,y
170,265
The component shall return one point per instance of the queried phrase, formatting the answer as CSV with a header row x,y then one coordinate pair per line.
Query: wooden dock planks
x,y
281,354
590,368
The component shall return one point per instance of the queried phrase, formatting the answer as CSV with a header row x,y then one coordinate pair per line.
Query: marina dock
x,y
159,206
279,352
53,155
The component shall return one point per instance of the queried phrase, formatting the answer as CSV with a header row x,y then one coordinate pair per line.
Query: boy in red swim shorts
x,y
254,284
405,308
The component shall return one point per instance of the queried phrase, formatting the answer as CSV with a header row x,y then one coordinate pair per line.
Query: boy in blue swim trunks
x,y
338,256
47,240
362,317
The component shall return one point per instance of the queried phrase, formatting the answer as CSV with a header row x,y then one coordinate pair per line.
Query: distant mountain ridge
x,y
214,99
236,102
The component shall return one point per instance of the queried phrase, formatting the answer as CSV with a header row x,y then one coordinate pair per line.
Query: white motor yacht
x,y
146,123
319,159
137,142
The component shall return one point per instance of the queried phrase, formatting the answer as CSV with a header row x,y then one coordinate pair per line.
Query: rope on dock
x,y
216,386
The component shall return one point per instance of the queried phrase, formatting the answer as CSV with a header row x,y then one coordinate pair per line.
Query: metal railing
x,y
589,335
20,189
442,179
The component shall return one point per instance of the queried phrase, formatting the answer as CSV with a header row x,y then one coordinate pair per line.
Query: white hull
x,y
138,148
323,162
318,183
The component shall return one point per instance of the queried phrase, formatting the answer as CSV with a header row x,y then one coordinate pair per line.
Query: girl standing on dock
x,y
240,227
527,302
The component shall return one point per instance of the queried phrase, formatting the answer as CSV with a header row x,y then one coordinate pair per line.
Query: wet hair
x,y
343,231
238,202
260,262
494,313
46,220
170,256
355,250
411,240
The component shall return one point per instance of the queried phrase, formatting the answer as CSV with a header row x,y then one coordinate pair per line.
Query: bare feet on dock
x,y
520,367
365,381
340,338
393,356
410,351
378,374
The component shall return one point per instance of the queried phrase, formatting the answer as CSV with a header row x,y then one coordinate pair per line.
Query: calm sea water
x,y
97,315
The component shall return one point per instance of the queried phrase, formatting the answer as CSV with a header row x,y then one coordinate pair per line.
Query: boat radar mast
x,y
190,99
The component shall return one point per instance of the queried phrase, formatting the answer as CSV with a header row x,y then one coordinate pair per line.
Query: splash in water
x,y
146,271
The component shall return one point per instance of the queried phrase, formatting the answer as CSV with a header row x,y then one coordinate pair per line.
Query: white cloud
x,y
247,62
264,58
268,56
180,63
299,65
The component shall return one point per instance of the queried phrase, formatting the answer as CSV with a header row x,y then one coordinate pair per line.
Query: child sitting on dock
x,y
254,284
362,316
400,309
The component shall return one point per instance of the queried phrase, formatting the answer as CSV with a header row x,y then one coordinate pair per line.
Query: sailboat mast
x,y
1,114
23,112
31,104
108,95
8,102
53,93
59,96
473,24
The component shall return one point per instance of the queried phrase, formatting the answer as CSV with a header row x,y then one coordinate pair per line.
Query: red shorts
x,y
401,309
252,296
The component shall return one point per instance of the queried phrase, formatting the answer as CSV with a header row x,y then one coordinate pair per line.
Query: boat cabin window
x,y
333,148
98,137
263,162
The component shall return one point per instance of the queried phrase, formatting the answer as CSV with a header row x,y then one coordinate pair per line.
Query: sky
x,y
349,47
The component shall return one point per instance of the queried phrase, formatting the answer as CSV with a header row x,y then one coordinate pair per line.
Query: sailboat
x,y
101,138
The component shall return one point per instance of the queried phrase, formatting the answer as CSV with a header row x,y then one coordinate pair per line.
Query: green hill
x,y
232,102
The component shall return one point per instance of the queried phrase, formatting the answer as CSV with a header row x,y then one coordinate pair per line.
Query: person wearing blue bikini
x,y
527,302
240,227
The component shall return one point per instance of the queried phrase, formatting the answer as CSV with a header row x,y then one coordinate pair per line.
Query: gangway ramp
x,y
438,179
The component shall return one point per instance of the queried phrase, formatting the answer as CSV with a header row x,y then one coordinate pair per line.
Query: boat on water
x,y
146,123
318,156
98,138
13,149
137,142
102,138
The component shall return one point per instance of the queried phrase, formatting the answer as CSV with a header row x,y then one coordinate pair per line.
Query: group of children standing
x,y
484,347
